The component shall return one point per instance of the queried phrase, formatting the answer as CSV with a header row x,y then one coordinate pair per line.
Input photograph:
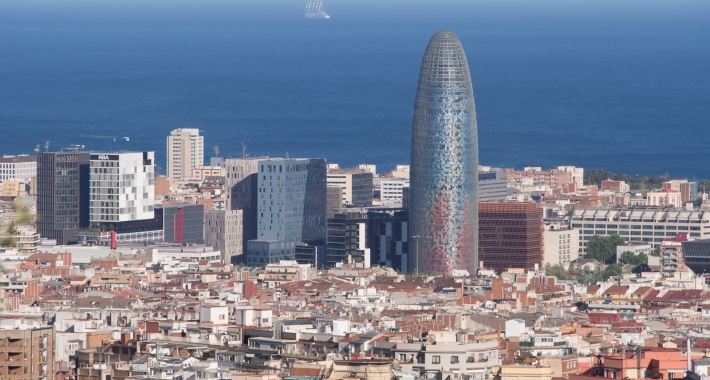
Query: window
x,y
436,359
402,357
454,359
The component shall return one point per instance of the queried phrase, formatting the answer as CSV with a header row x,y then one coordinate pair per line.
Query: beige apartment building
x,y
27,353
201,172
12,188
561,245
185,148
551,178
665,198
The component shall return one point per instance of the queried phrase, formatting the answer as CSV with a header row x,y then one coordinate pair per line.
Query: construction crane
x,y
114,138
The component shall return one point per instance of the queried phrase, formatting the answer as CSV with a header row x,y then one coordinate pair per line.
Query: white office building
x,y
185,151
291,207
391,188
640,224
18,168
122,186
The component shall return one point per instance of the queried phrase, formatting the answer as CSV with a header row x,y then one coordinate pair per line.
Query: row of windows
x,y
637,227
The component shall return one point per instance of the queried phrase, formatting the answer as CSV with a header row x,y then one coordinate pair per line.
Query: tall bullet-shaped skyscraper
x,y
444,163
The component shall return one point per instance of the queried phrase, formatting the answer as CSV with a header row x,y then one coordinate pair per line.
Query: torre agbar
x,y
444,163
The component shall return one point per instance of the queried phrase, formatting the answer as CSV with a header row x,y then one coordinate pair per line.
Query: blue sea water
x,y
599,84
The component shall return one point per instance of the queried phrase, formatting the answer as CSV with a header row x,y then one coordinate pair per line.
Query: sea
x,y
620,85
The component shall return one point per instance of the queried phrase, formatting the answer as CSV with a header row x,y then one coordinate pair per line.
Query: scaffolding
x,y
510,235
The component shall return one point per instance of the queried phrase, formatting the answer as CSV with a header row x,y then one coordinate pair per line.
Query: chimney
x,y
113,240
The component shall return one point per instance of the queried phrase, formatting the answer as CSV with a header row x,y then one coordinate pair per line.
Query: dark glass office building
x,y
444,162
370,236
62,195
696,255
183,223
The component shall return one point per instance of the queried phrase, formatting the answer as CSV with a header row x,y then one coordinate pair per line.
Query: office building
x,y
21,168
696,255
122,187
62,195
224,230
180,223
185,147
356,185
183,223
444,161
510,235
334,195
291,208
391,188
650,225
311,253
230,229
492,186
368,237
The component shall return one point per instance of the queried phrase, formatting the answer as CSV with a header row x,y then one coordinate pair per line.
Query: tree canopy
x,y
611,270
557,271
629,258
596,176
603,248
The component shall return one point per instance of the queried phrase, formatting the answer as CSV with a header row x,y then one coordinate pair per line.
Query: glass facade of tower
x,y
444,162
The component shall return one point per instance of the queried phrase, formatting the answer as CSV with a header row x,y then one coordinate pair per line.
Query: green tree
x,y
656,252
641,268
603,248
611,270
627,257
557,271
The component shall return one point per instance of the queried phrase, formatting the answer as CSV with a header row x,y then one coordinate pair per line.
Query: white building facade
x,y
122,186
18,168
391,188
640,224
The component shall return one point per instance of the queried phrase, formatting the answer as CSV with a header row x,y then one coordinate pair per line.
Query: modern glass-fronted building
x,y
444,162
62,195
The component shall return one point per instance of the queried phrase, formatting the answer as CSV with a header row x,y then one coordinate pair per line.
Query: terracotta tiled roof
x,y
616,289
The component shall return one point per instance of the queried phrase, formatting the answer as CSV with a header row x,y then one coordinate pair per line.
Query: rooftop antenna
x,y
216,151
37,149
46,146
287,155
244,150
